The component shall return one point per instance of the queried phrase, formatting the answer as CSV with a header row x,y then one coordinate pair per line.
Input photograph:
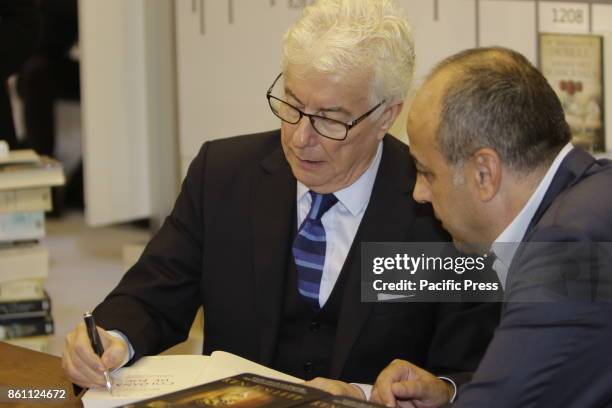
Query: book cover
x,y
25,308
20,156
341,402
46,172
21,262
34,326
22,289
29,199
573,65
241,391
22,226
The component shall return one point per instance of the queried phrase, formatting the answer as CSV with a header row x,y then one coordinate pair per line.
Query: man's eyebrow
x,y
290,93
332,109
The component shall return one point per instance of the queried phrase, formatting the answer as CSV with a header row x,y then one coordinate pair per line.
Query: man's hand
x,y
82,365
402,384
338,388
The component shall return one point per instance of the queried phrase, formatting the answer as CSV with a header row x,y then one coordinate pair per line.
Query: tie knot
x,y
320,204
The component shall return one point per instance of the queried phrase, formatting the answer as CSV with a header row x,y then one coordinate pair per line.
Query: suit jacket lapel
x,y
387,218
570,172
273,209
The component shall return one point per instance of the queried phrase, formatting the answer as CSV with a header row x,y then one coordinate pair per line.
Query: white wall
x,y
129,109
225,70
114,101
227,54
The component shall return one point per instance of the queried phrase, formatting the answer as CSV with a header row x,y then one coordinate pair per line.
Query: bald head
x,y
495,98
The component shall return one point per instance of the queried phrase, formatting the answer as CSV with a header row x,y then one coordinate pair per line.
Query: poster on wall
x,y
573,65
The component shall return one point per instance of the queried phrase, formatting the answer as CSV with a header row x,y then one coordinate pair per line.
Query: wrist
x,y
357,392
450,391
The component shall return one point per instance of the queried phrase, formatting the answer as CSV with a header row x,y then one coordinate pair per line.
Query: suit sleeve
x,y
463,332
155,302
20,26
462,329
551,348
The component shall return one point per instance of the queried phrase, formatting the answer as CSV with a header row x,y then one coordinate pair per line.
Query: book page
x,y
148,377
222,364
155,375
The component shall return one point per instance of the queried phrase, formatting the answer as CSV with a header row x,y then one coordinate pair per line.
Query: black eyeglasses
x,y
326,127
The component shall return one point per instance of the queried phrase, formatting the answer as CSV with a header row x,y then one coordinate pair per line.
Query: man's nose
x,y
421,192
304,133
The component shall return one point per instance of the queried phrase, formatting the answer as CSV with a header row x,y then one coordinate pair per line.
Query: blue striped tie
x,y
309,248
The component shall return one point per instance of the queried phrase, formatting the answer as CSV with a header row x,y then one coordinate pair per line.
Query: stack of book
x,y
25,195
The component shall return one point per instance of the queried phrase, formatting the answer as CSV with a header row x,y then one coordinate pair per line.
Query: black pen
x,y
96,344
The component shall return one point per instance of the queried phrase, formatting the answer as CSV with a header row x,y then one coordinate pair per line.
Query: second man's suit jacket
x,y
552,347
226,244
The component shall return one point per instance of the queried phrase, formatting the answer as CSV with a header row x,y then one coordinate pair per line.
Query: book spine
x,y
35,326
24,289
31,199
22,226
32,308
18,262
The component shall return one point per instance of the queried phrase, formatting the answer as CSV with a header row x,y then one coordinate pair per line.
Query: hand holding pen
x,y
82,365
96,344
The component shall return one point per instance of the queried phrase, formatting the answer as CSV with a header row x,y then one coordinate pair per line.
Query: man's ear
x,y
486,173
389,115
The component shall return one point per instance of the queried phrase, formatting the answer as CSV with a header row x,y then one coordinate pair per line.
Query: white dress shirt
x,y
506,244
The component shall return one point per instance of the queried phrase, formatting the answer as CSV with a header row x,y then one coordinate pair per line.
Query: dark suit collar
x,y
276,162
387,218
273,209
571,170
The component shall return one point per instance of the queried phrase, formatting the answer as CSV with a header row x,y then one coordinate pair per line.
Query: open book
x,y
156,375
251,391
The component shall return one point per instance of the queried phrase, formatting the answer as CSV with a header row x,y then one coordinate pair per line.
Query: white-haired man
x,y
265,233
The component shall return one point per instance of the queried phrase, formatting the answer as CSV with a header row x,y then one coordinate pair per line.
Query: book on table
x,y
166,380
251,391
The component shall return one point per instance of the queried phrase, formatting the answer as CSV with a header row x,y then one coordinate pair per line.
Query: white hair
x,y
365,36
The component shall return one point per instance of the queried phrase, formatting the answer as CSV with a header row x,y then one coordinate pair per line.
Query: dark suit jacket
x,y
226,245
552,348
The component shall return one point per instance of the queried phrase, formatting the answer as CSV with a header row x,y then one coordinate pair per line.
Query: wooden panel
x,y
21,368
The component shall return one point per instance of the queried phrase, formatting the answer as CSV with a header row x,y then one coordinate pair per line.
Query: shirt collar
x,y
356,196
506,244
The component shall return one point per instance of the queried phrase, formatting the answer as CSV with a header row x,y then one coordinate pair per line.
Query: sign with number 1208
x,y
567,15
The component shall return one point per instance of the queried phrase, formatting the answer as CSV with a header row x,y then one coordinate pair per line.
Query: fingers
x,y
382,392
77,370
338,388
81,364
405,385
79,374
429,391
409,389
115,350
375,397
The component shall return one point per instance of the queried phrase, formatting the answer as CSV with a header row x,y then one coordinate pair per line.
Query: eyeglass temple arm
x,y
273,83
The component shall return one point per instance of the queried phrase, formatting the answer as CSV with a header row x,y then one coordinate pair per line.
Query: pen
x,y
96,344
